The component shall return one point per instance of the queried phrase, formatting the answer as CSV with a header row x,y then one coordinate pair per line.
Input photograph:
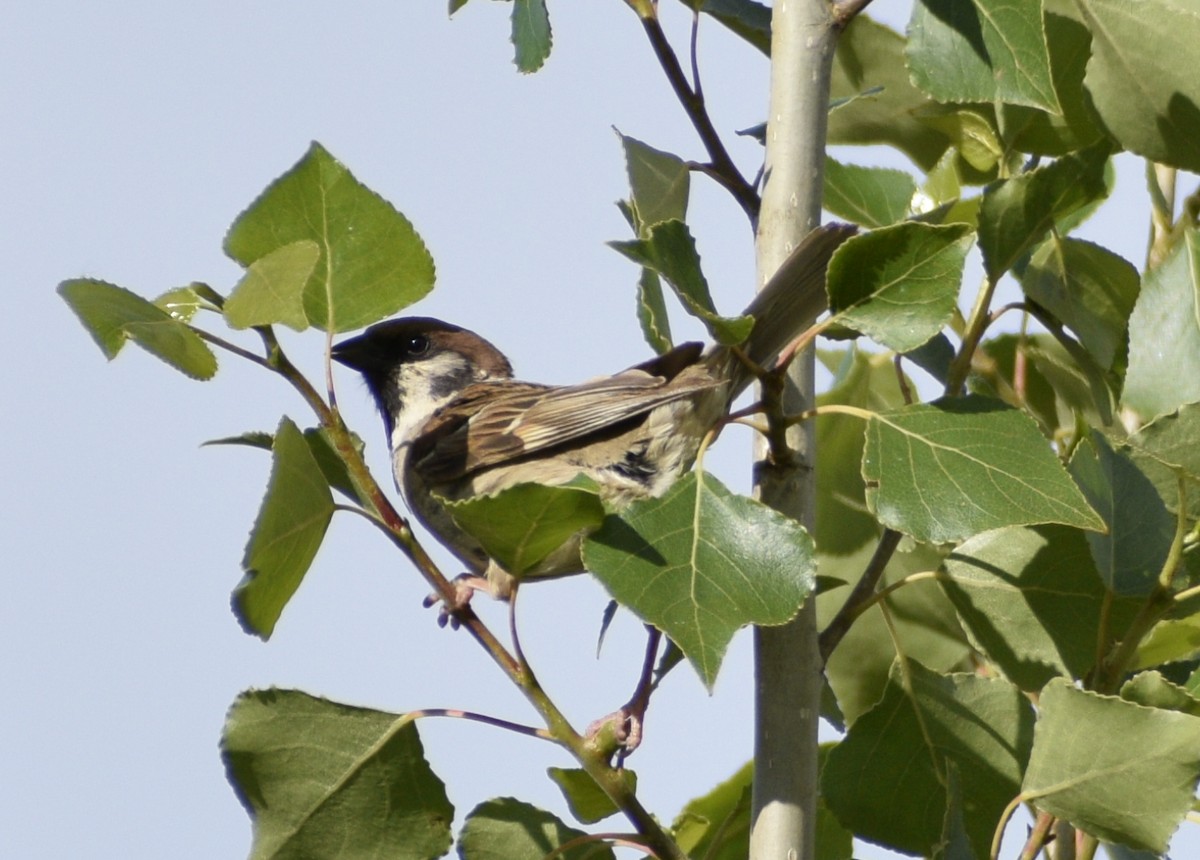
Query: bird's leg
x,y
627,721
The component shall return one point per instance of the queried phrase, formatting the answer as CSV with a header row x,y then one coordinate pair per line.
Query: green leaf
x,y
870,196
182,303
658,184
700,562
1032,601
867,381
946,470
870,56
1129,778
530,34
670,250
321,779
519,527
899,285
1130,554
652,312
920,618
1145,95
926,728
287,533
746,18
1089,288
113,315
1152,690
1164,334
1170,641
587,800
510,829
1043,133
981,51
272,290
372,261
1017,213
972,132
1173,439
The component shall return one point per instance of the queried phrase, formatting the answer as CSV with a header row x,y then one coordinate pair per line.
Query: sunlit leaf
x,y
670,250
658,183
1129,778
530,34
520,526
946,470
510,829
899,284
1017,213
701,562
1164,334
1147,98
287,534
113,315
321,779
272,290
870,196
587,800
981,51
372,261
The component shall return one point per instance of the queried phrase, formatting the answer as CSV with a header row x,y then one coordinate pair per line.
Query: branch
x,y
863,595
721,168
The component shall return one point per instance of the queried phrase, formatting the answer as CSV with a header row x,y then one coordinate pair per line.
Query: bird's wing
x,y
483,428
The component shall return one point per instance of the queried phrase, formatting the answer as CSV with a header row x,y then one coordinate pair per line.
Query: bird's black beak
x,y
357,352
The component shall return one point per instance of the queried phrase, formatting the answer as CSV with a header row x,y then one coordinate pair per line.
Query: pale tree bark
x,y
788,664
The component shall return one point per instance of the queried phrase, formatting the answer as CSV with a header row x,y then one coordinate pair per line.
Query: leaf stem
x,y
977,324
1037,836
1158,603
495,722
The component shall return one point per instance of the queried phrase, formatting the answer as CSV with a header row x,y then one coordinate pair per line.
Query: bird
x,y
459,425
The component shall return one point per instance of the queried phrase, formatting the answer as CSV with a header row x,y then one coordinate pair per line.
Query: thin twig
x,y
862,595
722,168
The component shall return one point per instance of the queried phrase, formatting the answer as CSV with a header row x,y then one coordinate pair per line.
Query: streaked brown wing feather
x,y
481,429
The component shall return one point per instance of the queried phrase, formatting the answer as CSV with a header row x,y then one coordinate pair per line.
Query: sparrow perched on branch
x,y
460,426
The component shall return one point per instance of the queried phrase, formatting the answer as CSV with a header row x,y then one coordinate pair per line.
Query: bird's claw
x,y
465,585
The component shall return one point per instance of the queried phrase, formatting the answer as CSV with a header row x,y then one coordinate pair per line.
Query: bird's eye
x,y
416,344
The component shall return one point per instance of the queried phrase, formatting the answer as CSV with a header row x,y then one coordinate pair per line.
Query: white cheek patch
x,y
423,395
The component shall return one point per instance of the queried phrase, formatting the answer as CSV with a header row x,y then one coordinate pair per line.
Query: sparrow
x,y
459,425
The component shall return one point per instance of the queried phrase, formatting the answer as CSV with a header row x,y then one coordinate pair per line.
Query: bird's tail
x,y
793,298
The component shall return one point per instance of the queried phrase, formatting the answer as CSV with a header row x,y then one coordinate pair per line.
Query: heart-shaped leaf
x,y
372,261
701,562
113,315
322,779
